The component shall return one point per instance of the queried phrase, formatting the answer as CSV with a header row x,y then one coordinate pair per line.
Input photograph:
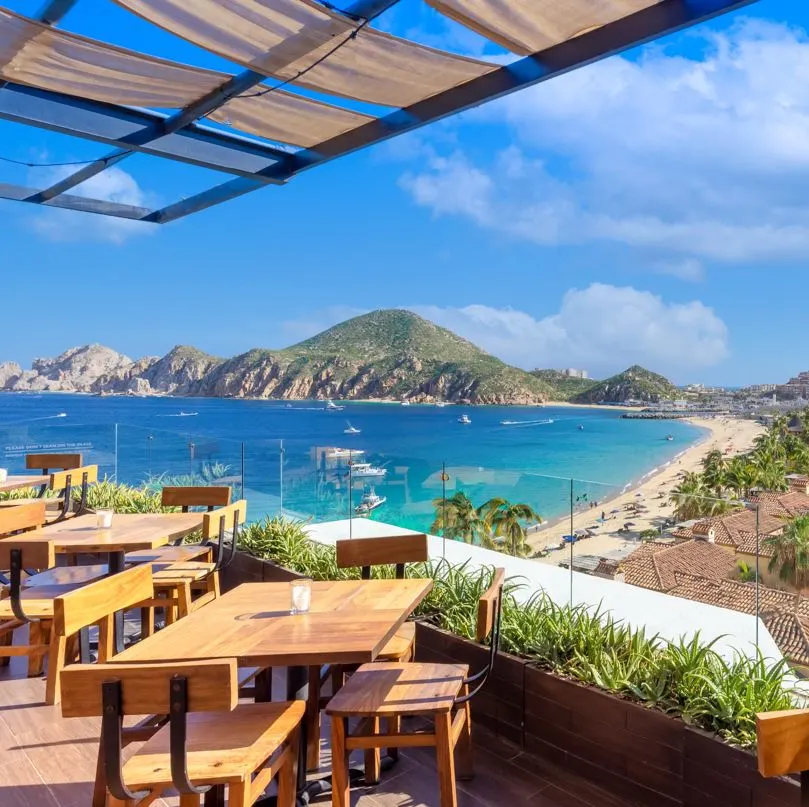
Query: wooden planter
x,y
639,754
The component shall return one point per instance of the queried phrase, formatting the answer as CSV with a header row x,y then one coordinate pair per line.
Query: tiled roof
x,y
655,566
791,633
782,505
607,567
737,530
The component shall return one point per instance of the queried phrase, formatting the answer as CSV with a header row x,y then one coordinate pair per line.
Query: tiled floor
x,y
49,761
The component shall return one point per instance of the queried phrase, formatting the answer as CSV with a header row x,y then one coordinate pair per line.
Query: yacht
x,y
364,470
342,453
669,437
349,429
581,427
464,419
331,406
369,502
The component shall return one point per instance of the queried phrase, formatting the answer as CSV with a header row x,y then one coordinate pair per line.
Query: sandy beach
x,y
728,435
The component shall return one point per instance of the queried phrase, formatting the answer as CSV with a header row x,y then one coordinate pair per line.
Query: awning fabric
x,y
281,38
528,26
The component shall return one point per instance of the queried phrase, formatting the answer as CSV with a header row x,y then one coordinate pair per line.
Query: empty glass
x,y
104,518
300,595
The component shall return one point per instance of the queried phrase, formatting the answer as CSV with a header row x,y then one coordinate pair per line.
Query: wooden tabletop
x,y
349,622
128,532
17,481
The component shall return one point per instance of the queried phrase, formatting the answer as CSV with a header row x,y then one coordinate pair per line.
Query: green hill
x,y
634,384
563,387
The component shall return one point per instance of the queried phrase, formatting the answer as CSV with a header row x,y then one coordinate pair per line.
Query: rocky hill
x,y
384,354
563,386
634,384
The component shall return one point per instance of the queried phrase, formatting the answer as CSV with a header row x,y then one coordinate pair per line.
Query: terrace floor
x,y
49,761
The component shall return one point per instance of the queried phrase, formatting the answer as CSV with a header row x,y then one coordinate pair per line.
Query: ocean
x,y
273,452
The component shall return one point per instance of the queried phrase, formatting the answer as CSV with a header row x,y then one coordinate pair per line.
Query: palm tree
x,y
791,552
742,475
714,470
457,518
770,472
506,521
689,497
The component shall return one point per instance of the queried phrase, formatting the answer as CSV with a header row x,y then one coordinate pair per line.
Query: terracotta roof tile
x,y
782,505
791,634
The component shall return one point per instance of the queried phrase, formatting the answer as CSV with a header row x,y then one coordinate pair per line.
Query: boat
x,y
369,502
441,404
364,470
542,422
405,403
581,427
464,419
342,453
349,429
331,406
669,437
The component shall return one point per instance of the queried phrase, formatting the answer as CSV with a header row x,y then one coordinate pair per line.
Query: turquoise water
x,y
270,448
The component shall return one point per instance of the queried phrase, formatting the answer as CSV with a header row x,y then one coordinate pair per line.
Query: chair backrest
x,y
89,604
21,518
393,549
782,740
190,496
65,481
52,462
17,554
488,627
217,523
116,690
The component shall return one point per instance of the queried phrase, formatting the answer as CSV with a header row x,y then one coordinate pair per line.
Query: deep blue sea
x,y
273,452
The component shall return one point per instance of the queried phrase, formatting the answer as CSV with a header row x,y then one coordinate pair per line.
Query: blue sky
x,y
650,208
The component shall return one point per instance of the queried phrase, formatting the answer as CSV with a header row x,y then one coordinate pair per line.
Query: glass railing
x,y
579,531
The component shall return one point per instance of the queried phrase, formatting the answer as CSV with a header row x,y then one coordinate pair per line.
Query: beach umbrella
x,y
569,539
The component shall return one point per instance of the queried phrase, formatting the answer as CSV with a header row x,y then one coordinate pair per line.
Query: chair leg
x,y
106,638
183,593
56,663
37,635
146,622
288,775
6,638
445,760
193,800
372,758
238,795
100,784
312,718
466,765
340,786
394,726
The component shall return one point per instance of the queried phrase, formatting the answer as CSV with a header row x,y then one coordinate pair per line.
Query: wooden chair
x,y
55,614
390,691
184,586
184,498
364,553
211,739
782,740
48,465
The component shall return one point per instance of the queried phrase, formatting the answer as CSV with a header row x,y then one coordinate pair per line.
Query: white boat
x,y
349,429
542,422
364,470
369,502
464,419
331,406
342,453
669,437
581,427
441,404
405,403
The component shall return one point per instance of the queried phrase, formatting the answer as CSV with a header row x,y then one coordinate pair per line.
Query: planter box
x,y
640,755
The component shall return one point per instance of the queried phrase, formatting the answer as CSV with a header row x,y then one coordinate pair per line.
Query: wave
x,y
179,415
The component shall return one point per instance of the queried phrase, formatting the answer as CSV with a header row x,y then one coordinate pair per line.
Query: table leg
x,y
116,563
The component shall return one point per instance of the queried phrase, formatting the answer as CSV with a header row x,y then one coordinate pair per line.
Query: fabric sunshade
x,y
34,54
527,26
288,118
280,38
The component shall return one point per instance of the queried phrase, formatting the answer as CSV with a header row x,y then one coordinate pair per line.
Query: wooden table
x,y
128,533
17,481
349,622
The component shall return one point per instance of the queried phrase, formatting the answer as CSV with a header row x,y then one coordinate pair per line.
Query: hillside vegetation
x,y
634,384
563,387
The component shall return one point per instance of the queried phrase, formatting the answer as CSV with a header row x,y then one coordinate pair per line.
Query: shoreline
x,y
730,435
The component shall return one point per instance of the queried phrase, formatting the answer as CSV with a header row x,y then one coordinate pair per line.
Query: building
x,y
570,372
785,505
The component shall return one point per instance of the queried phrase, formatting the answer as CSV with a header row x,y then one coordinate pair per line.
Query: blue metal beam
x,y
294,48
116,125
663,18
17,193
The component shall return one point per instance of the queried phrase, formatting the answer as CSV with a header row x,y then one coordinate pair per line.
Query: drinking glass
x,y
104,518
300,595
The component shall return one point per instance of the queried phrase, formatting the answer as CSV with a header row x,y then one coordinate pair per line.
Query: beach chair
x,y
211,739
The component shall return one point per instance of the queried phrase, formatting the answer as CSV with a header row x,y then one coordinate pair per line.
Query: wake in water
x,y
543,422
179,415
35,420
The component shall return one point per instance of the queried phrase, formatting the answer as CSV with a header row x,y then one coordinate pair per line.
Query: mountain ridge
x,y
636,384
385,354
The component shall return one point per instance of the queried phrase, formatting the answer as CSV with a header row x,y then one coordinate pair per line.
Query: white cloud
x,y
600,328
682,159
112,185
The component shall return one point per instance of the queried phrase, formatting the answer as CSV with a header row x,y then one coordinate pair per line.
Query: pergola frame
x,y
255,164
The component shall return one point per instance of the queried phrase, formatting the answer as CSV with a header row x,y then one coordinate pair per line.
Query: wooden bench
x,y
211,739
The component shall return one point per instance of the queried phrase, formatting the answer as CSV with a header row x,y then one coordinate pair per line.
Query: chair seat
x,y
386,688
67,575
222,747
401,643
170,554
36,602
185,571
